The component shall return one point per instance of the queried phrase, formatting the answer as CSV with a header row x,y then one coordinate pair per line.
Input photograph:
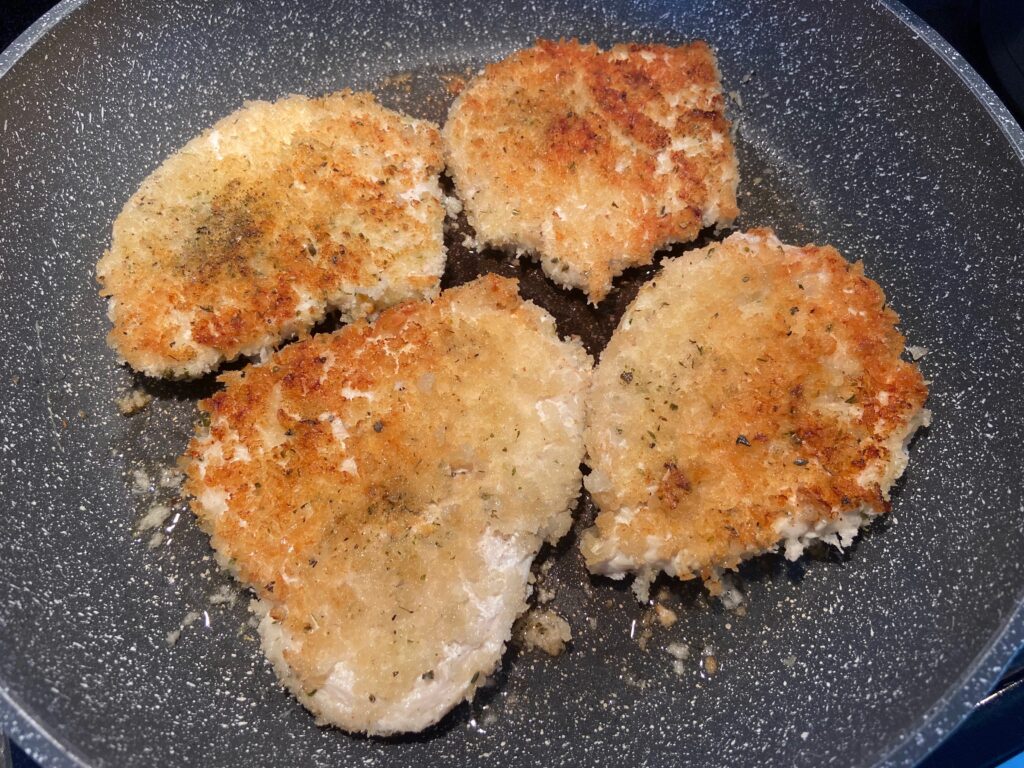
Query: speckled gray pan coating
x,y
852,131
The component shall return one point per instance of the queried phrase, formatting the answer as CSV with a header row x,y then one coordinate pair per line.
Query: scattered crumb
x,y
666,616
746,78
225,594
542,629
789,661
190,618
736,98
642,585
452,206
710,661
155,540
545,595
592,622
804,735
82,414
730,594
154,518
133,402
469,242
916,352
171,477
647,620
644,637
678,651
140,481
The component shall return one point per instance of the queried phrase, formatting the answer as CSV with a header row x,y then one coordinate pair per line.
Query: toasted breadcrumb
x,y
543,630
133,402
666,616
593,160
262,224
384,490
155,516
753,395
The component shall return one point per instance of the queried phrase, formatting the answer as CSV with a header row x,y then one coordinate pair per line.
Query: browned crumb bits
x,y
543,630
133,402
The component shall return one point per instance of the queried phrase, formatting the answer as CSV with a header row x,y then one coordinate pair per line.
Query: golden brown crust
x,y
751,389
355,480
593,160
261,224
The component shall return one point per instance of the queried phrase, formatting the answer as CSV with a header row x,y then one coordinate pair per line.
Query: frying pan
x,y
857,127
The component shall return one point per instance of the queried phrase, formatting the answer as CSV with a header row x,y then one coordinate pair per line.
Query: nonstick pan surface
x,y
855,126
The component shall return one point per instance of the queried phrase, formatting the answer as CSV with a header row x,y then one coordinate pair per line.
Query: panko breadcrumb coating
x,y
753,394
593,160
258,227
384,490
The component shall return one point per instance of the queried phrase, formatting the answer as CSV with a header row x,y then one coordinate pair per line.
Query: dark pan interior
x,y
851,131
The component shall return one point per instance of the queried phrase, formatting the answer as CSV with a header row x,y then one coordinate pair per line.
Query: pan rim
x,y
42,742
988,665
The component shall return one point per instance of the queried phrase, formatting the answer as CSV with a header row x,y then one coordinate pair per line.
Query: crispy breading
x,y
593,160
276,215
384,489
752,394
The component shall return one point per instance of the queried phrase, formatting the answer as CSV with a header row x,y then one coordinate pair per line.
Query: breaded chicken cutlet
x,y
258,227
384,489
593,160
753,394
